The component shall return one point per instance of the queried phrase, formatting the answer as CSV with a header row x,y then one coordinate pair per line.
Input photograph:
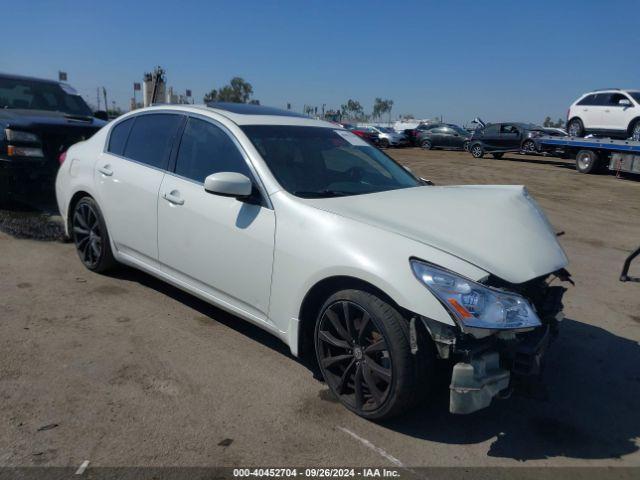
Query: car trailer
x,y
595,154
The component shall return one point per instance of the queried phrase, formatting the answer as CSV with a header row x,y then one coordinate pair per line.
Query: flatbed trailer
x,y
595,154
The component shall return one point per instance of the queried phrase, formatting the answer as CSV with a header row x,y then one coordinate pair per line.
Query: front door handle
x,y
173,197
106,170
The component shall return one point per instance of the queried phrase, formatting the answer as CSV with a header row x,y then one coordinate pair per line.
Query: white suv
x,y
612,112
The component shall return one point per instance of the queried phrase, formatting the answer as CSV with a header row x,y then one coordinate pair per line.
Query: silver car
x,y
388,137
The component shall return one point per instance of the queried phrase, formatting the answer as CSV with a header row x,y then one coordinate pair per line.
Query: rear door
x,y
440,137
510,137
218,245
128,177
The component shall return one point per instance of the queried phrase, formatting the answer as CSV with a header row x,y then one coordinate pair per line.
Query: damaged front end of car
x,y
501,332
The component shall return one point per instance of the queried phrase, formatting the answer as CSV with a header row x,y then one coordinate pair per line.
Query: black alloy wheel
x,y
354,356
362,348
90,236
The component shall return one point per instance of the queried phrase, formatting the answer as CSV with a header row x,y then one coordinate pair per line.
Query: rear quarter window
x,y
118,137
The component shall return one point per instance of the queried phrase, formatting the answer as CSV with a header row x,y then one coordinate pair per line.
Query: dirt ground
x,y
124,370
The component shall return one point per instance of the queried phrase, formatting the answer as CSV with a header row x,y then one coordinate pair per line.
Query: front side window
x,y
614,99
151,138
206,149
508,129
315,162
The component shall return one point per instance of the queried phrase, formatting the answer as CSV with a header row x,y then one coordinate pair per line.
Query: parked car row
x,y
500,138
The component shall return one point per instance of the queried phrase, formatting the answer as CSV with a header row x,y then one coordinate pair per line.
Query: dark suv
x,y
499,138
39,120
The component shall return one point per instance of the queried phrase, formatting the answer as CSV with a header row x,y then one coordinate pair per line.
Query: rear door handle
x,y
106,170
173,197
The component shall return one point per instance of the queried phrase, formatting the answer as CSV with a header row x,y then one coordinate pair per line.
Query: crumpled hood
x,y
500,229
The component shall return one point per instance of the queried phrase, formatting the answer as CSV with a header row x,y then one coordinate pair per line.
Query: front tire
x,y
575,128
362,348
477,151
89,234
529,146
635,131
384,143
426,144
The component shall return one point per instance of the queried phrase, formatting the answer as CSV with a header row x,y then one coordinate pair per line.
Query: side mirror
x,y
228,184
101,115
624,102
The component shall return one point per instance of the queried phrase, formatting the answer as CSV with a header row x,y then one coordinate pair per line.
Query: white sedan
x,y
311,233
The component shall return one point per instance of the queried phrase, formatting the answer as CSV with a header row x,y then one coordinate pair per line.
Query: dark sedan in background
x,y
39,120
449,137
500,138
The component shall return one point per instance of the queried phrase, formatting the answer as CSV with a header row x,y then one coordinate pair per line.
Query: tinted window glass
x,y
615,98
602,99
439,130
206,149
151,138
588,100
316,162
491,130
118,137
39,95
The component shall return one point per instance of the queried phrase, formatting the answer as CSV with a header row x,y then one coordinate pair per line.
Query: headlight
x,y
18,136
473,304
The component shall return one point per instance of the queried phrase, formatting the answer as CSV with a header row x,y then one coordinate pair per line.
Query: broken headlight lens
x,y
473,304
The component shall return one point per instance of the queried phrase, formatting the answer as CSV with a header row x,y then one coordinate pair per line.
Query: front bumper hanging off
x,y
478,379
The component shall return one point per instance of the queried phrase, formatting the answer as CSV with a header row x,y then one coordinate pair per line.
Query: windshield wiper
x,y
320,193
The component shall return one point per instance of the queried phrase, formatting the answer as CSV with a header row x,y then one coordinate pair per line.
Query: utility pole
x,y
98,97
106,104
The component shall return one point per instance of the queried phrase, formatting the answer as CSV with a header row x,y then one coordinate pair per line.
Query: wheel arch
x,y
317,295
632,123
75,198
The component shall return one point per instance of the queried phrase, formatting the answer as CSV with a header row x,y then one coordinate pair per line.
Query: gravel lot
x,y
124,370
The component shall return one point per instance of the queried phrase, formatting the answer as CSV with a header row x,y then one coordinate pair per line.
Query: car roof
x,y
24,77
249,114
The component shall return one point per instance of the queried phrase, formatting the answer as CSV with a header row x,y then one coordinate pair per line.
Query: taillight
x,y
62,157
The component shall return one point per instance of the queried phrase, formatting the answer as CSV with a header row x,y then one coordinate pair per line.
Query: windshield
x,y
34,95
386,130
636,96
316,162
460,131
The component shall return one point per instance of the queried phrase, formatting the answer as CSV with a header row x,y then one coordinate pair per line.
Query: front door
x,y
218,245
128,176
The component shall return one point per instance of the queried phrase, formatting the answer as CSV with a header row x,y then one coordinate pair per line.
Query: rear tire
x,y
497,155
384,143
587,161
426,144
575,128
90,236
477,151
362,348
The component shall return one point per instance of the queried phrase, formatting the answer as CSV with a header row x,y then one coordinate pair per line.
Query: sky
x,y
500,60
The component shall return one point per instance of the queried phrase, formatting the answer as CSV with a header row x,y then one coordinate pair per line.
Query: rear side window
x,y
588,100
151,138
118,137
206,149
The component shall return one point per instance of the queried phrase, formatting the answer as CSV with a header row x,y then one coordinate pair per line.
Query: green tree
x,y
238,91
353,109
380,107
547,122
